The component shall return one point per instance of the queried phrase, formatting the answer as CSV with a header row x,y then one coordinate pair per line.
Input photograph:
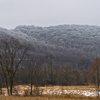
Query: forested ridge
x,y
56,55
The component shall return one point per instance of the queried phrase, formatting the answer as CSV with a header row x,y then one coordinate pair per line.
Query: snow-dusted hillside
x,y
71,43
77,38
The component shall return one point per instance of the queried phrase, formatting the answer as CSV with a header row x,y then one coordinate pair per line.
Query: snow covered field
x,y
74,92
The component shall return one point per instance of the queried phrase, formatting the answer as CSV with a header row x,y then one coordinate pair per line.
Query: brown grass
x,y
70,87
63,97
25,87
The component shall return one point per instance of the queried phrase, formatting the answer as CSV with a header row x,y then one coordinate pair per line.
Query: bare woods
x,y
20,65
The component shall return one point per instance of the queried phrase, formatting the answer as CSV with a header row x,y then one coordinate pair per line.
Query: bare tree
x,y
33,71
97,60
1,82
95,74
50,58
12,54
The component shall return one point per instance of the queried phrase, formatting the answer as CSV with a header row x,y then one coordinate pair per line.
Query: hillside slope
x,y
75,44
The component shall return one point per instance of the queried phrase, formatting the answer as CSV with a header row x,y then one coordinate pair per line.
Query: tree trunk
x,y
97,80
31,86
11,86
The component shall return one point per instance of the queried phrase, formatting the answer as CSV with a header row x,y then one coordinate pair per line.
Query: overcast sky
x,y
49,12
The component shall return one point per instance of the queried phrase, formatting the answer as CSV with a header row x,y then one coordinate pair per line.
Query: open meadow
x,y
55,93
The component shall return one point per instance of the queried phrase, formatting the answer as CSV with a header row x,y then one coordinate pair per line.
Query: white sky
x,y
49,12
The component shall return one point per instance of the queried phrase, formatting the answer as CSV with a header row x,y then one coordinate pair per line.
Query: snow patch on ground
x,y
77,92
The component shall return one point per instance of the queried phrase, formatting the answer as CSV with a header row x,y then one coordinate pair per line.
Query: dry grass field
x,y
70,87
65,97
53,97
25,87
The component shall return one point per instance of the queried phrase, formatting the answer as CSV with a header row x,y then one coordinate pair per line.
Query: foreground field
x,y
22,90
53,93
63,97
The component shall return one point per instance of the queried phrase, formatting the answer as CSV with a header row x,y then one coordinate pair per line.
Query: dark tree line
x,y
19,65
